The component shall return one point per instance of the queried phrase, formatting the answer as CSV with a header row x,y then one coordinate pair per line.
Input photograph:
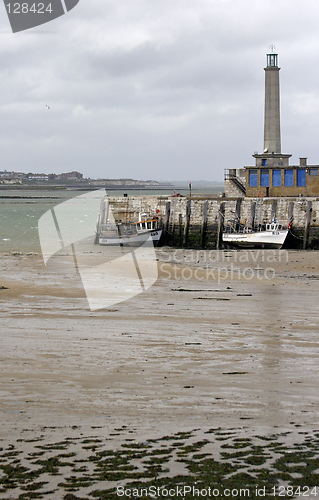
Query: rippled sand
x,y
201,348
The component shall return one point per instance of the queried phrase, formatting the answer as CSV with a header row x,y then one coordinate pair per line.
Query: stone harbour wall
x,y
130,207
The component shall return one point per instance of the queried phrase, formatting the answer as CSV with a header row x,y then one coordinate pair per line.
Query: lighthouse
x,y
272,155
272,141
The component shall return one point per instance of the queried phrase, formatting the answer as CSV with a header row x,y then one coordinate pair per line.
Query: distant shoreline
x,y
216,188
84,186
18,187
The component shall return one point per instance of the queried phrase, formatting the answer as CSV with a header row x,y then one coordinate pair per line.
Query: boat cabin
x,y
274,226
146,224
234,226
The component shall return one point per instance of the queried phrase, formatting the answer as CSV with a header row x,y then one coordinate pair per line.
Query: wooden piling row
x,y
181,236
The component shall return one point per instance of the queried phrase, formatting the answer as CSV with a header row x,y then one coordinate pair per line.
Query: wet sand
x,y
209,345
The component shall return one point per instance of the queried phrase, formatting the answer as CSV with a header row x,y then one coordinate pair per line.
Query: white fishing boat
x,y
147,225
133,233
271,235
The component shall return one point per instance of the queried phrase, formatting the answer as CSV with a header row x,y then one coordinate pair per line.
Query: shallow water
x,y
21,209
19,217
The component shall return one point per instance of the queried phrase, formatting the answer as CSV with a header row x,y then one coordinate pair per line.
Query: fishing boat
x,y
270,235
133,233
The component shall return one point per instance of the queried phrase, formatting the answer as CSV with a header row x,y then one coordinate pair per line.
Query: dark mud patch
x,y
92,467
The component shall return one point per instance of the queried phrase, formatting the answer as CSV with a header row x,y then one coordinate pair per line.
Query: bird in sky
x,y
48,106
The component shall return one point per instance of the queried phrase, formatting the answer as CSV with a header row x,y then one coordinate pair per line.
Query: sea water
x,y
20,211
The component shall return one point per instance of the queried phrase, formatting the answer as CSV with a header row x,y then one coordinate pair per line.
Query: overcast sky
x,y
157,89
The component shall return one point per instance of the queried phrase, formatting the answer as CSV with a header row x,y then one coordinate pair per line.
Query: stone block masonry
x,y
128,208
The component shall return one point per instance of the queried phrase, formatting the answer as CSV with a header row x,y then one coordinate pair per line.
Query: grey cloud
x,y
156,89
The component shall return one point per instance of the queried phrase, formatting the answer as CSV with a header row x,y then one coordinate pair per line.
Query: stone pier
x,y
179,207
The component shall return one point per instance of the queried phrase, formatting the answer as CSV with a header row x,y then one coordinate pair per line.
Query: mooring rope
x,y
295,236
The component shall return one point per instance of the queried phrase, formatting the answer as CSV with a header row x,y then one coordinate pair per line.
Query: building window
x,y
253,178
313,171
301,177
289,177
264,178
276,178
264,163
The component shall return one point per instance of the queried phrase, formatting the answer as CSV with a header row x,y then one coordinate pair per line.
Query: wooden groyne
x,y
199,222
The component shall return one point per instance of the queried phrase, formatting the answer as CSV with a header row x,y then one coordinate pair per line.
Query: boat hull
x,y
259,239
132,240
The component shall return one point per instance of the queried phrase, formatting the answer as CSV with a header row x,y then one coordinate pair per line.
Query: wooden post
x,y
220,219
290,213
166,222
307,224
203,231
180,227
172,220
237,212
238,206
273,210
252,214
103,216
187,220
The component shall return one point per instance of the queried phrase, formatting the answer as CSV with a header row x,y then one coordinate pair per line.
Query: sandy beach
x,y
225,341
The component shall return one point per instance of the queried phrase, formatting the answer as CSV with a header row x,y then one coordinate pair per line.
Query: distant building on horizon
x,y
37,177
70,176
